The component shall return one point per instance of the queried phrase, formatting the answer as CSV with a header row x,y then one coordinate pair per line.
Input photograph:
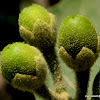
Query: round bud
x,y
75,32
24,62
37,26
30,14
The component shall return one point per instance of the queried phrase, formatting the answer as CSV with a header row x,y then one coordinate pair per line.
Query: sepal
x,y
29,83
43,34
84,59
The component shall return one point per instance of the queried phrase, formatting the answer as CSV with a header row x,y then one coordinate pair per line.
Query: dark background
x,y
9,12
9,33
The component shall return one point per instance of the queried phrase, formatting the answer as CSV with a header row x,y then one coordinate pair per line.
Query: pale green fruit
x,y
75,32
37,26
23,66
30,14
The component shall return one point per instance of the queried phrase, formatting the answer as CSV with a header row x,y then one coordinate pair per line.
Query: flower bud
x,y
76,32
23,66
37,26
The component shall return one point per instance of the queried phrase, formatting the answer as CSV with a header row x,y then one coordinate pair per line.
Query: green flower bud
x,y
37,26
78,43
76,32
23,66
29,15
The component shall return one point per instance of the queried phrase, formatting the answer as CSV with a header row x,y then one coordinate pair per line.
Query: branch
x,y
51,58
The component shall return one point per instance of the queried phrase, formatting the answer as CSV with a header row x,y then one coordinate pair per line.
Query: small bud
x,y
23,66
78,43
29,15
76,32
84,60
37,26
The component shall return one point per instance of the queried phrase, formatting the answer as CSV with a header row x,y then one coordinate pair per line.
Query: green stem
x,y
53,63
48,94
82,79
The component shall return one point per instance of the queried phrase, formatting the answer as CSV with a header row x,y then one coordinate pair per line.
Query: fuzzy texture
x,y
48,94
37,26
79,48
84,59
60,87
30,14
23,66
75,32
79,63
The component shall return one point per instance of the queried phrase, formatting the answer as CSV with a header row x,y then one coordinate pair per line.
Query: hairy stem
x,y
45,93
53,63
82,79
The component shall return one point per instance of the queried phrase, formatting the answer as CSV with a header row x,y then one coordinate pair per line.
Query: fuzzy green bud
x,y
29,15
78,43
76,32
23,66
37,26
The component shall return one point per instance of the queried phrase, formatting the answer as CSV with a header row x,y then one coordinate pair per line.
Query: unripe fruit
x,y
23,66
30,14
37,26
75,32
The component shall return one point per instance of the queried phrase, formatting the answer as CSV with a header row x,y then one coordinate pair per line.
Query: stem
x,y
53,63
82,84
48,94
60,87
45,93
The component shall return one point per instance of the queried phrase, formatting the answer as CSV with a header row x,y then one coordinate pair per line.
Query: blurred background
x,y
9,13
